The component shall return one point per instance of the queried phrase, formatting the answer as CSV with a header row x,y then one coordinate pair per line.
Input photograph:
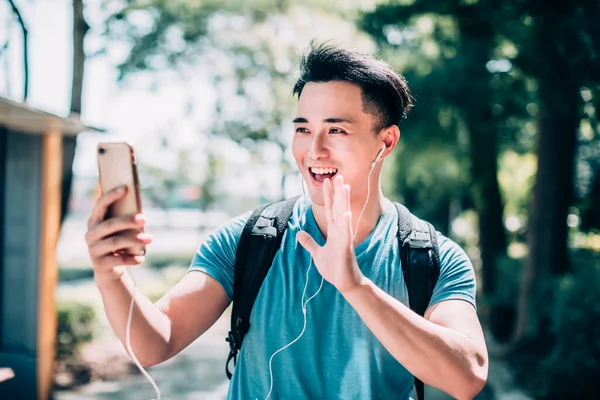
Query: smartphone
x,y
117,166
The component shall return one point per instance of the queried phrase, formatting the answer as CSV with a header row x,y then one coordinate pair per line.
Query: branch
x,y
80,29
25,51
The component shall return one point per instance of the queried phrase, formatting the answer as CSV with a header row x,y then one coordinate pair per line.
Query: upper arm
x,y
459,316
193,305
453,303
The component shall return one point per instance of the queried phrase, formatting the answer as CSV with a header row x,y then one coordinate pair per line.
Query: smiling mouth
x,y
320,174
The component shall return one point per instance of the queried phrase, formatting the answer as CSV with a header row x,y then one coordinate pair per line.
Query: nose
x,y
318,147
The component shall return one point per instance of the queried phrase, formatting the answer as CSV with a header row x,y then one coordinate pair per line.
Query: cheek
x,y
297,152
356,167
352,171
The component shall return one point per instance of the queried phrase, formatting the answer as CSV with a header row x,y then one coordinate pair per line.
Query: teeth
x,y
320,171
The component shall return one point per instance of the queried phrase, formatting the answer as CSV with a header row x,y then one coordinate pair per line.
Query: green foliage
x,y
162,33
563,361
75,327
516,177
427,179
68,274
160,261
588,162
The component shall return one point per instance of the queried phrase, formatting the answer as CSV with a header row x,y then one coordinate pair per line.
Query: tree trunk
x,y
80,28
475,102
590,218
552,196
486,194
553,192
560,113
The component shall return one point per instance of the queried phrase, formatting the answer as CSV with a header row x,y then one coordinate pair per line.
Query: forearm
x,y
438,356
150,328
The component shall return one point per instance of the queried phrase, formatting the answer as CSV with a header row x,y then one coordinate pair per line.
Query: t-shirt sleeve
x,y
216,255
457,277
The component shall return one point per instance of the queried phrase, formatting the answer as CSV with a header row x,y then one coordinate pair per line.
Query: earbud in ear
x,y
380,153
383,147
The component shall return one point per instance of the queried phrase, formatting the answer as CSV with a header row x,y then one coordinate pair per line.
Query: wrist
x,y
108,277
362,284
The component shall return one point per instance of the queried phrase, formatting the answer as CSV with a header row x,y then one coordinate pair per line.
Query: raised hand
x,y
336,260
107,240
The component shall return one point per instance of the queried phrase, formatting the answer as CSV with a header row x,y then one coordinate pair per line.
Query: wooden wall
x,y
30,203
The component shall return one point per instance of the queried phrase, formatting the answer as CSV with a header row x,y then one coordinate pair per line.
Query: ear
x,y
390,136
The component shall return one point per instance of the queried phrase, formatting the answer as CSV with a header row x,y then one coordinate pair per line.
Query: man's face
x,y
333,135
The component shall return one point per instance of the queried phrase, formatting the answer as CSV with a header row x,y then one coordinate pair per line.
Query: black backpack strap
x,y
419,255
259,242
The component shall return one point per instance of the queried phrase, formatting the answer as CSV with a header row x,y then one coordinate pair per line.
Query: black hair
x,y
385,93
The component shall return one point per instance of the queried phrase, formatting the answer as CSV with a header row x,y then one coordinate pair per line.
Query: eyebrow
x,y
336,120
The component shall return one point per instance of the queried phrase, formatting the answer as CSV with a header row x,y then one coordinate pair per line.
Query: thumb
x,y
307,242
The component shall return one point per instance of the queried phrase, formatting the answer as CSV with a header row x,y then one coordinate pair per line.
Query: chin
x,y
316,196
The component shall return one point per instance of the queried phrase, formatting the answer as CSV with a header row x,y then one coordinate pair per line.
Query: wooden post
x,y
48,273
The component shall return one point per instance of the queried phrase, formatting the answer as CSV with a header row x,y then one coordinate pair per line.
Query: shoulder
x,y
226,236
457,275
450,251
216,255
232,228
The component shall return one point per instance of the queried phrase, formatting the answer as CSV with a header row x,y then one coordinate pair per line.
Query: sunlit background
x,y
501,153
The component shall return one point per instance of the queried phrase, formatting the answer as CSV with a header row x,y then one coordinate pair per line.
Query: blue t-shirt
x,y
337,357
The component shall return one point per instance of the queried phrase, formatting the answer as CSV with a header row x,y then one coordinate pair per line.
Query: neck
x,y
368,220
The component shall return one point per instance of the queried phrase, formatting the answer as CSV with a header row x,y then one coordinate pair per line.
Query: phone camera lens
x,y
101,150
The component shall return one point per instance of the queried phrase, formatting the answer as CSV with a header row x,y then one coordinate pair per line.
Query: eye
x,y
336,131
302,130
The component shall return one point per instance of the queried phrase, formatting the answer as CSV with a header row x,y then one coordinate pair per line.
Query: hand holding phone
x,y
115,234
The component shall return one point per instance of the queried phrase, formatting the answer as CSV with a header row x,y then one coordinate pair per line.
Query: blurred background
x,y
501,153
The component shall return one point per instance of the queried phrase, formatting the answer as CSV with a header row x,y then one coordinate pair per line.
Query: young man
x,y
356,338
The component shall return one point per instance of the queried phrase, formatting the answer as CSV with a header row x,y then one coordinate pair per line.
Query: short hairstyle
x,y
385,93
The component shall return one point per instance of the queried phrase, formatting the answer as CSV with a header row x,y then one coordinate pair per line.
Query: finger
x,y
102,204
117,243
339,205
347,193
114,226
307,242
347,231
328,200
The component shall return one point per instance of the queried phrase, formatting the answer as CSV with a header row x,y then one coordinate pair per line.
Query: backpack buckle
x,y
232,354
418,240
232,342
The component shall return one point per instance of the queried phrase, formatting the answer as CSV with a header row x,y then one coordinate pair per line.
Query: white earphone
x,y
378,155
